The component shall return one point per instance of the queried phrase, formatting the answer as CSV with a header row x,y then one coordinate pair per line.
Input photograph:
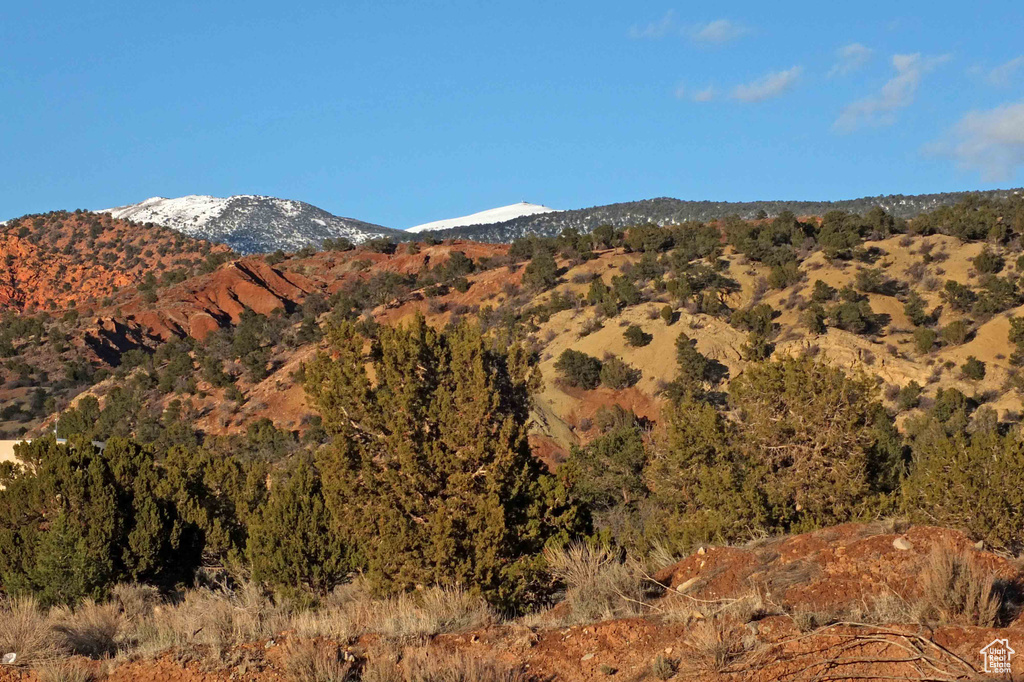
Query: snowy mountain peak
x,y
250,223
494,215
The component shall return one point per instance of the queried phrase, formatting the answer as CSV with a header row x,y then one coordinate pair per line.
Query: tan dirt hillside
x,y
562,414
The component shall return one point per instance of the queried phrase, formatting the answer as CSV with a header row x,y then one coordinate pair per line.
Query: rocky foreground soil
x,y
853,602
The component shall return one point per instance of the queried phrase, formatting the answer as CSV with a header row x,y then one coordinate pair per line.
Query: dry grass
x,y
600,585
957,590
209,624
65,671
312,661
350,612
25,630
712,647
209,621
422,665
89,630
663,668
749,606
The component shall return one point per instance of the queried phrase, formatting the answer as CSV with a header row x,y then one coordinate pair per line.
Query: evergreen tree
x,y
698,480
542,272
579,369
607,476
430,475
290,542
810,447
974,483
811,429
75,519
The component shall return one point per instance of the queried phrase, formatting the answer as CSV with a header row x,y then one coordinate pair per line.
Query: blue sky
x,y
401,113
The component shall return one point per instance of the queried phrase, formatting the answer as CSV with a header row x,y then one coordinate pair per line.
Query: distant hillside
x,y
666,211
58,260
252,224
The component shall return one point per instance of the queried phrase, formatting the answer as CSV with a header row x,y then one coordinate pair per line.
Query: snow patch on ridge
x,y
494,215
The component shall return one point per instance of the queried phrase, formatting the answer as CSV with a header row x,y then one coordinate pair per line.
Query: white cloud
x,y
897,93
705,95
655,29
718,32
770,85
849,58
1004,73
990,141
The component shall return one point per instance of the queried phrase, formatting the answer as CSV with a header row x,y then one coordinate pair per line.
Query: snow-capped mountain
x,y
490,216
251,223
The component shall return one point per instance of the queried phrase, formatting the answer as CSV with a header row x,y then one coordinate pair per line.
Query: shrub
x,y
975,484
823,293
782,276
814,318
663,668
872,281
712,647
956,332
379,245
90,629
617,374
579,369
541,273
913,308
307,661
25,630
957,590
1016,337
988,262
909,396
959,296
600,585
811,447
924,339
667,314
636,337
973,369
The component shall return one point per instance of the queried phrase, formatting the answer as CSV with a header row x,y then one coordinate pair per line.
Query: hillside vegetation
x,y
535,429
669,211
63,260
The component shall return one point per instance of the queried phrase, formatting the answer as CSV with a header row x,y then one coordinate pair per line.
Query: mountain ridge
x,y
666,211
251,223
259,224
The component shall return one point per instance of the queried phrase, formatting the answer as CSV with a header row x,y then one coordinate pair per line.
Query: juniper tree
x,y
429,473
819,437
809,447
75,519
290,543
973,483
